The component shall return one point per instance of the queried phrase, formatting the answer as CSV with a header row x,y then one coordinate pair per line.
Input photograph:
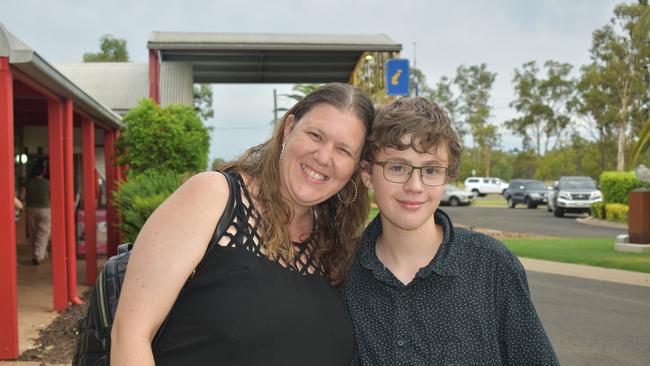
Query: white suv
x,y
481,186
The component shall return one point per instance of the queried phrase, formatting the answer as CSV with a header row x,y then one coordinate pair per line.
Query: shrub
x,y
616,212
137,198
616,186
171,138
598,210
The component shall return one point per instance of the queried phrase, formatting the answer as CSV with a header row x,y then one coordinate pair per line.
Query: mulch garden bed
x,y
56,343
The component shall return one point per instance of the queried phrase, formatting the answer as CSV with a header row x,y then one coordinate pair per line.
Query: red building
x,y
44,115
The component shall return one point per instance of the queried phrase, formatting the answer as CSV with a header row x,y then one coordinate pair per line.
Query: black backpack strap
x,y
227,216
224,221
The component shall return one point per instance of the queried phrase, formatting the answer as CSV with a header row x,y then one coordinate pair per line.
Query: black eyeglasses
x,y
432,176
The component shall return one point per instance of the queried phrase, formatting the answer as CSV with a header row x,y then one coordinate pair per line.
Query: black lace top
x,y
241,308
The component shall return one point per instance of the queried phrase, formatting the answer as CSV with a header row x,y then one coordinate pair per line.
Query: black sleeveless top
x,y
241,308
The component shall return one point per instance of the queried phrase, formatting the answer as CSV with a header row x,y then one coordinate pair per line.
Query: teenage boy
x,y
420,291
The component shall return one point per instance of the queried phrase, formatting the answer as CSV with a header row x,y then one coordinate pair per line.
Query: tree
x,y
216,163
299,92
202,96
111,50
558,90
643,144
543,103
443,94
419,81
620,51
171,138
475,83
593,102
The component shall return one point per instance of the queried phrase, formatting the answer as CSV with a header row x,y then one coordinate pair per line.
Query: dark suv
x,y
527,191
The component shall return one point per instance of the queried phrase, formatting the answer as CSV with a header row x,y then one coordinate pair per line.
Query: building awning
x,y
268,57
29,62
122,85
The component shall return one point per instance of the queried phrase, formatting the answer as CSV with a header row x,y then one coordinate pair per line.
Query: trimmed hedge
x,y
171,138
616,212
598,210
616,186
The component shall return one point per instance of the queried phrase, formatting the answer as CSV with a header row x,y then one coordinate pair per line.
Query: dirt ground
x,y
56,343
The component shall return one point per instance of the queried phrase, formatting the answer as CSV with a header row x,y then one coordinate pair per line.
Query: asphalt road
x,y
589,322
535,221
593,323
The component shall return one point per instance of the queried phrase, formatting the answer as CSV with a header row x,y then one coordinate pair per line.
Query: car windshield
x,y
577,183
451,187
535,185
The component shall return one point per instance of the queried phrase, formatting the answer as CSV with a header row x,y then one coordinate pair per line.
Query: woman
x,y
264,294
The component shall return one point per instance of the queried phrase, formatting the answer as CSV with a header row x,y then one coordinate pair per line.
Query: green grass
x,y
490,201
590,251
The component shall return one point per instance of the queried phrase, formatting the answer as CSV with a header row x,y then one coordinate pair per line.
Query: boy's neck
x,y
404,252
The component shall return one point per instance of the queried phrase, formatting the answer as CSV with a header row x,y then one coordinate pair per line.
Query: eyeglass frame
x,y
413,168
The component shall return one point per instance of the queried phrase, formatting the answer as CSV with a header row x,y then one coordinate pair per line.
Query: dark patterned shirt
x,y
469,306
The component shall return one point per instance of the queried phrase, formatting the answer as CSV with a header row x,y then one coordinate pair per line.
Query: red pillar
x,y
70,236
154,76
8,305
120,176
57,201
89,183
111,212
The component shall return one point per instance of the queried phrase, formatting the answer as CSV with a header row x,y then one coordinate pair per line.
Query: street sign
x,y
397,76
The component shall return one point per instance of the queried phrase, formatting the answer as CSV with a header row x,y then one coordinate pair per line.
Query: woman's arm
x,y
170,245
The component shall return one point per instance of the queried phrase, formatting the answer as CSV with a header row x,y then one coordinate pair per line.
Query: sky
x,y
504,34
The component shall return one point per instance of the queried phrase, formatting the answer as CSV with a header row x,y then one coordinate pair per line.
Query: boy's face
x,y
407,205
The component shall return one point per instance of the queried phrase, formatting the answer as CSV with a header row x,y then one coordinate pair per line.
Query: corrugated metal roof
x,y
176,84
122,85
272,41
29,62
118,85
268,57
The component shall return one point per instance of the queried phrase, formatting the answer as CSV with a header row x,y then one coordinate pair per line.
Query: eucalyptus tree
x,y
475,84
620,52
543,103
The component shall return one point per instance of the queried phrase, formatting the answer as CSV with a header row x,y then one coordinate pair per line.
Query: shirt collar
x,y
443,264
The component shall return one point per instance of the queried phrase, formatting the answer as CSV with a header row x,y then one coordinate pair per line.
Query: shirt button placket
x,y
402,323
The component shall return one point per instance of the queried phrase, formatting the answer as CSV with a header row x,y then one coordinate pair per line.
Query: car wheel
x,y
558,212
476,192
453,201
530,204
511,202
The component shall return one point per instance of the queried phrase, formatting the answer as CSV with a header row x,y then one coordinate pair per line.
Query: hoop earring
x,y
282,151
356,192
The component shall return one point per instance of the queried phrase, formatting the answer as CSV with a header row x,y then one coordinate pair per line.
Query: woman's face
x,y
321,152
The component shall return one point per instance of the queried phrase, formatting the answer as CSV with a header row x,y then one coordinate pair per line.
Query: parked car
x,y
453,196
573,195
481,186
527,191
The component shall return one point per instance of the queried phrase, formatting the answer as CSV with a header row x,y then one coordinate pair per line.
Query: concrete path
x,y
589,272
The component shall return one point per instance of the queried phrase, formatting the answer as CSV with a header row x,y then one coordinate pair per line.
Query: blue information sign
x,y
397,76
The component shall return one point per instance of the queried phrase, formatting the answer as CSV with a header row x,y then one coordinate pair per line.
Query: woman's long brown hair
x,y
338,225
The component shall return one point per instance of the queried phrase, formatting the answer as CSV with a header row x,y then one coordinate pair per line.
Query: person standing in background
x,y
18,206
36,195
